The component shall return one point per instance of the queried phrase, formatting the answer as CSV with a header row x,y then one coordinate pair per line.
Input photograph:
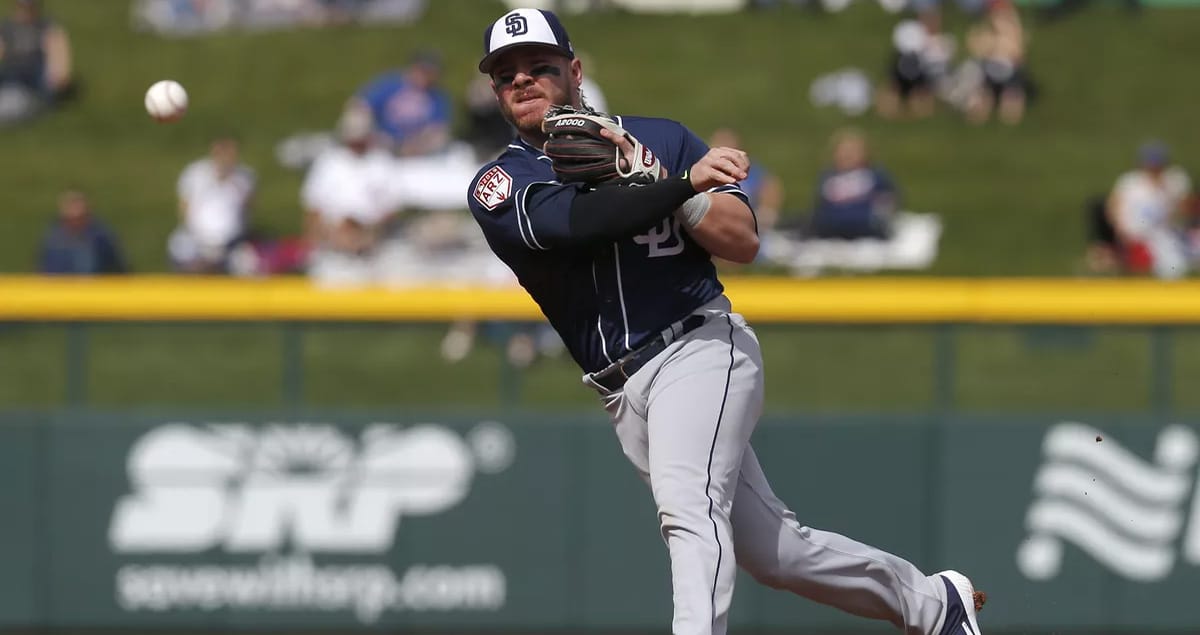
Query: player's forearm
x,y
609,213
727,229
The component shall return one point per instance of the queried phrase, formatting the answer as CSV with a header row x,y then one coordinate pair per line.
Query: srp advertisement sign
x,y
355,524
302,523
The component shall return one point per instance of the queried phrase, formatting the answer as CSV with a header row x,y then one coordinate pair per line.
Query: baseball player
x,y
610,223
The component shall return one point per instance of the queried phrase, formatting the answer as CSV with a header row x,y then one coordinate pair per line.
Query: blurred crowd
x,y
382,195
196,17
991,80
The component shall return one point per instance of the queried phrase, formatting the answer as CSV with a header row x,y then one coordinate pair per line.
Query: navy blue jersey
x,y
603,299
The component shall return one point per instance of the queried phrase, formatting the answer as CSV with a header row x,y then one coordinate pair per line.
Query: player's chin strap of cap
x,y
613,377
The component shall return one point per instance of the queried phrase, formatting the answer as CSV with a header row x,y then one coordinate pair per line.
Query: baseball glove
x,y
581,155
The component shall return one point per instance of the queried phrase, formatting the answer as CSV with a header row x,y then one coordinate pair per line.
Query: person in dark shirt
x,y
410,106
35,62
78,243
855,199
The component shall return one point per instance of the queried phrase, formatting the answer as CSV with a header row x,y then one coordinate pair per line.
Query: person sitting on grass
x,y
855,199
78,243
35,63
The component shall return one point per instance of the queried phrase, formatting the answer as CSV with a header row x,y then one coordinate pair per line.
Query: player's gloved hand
x,y
719,166
588,147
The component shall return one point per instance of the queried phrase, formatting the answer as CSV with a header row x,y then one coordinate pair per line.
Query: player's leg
x,y
626,409
703,403
832,569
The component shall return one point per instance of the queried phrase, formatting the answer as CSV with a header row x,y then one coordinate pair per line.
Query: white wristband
x,y
694,209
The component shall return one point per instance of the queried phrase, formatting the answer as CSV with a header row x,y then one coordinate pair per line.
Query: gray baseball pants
x,y
684,420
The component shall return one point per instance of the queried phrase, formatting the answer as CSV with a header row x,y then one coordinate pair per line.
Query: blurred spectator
x,y
185,17
271,14
1144,210
855,199
277,13
389,11
78,243
764,189
920,58
487,130
524,342
1056,9
194,17
35,62
775,4
997,45
215,195
409,106
349,197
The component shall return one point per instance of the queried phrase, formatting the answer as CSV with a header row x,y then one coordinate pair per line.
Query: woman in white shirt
x,y
1142,209
215,195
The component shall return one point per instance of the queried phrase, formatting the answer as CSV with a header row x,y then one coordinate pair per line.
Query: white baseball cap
x,y
524,27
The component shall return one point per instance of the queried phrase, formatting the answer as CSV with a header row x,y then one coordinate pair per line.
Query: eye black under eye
x,y
544,69
503,79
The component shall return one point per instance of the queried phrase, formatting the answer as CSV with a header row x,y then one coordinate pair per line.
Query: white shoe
x,y
963,602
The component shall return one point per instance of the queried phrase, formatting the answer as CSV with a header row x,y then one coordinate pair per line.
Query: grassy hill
x,y
1011,197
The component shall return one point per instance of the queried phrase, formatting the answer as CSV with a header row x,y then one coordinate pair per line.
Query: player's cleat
x,y
962,603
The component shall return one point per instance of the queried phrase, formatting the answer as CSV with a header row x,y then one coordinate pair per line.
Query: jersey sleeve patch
x,y
493,188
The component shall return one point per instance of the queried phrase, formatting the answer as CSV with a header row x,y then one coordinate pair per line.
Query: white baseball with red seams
x,y
166,101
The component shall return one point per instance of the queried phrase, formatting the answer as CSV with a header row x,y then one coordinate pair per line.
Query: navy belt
x,y
614,376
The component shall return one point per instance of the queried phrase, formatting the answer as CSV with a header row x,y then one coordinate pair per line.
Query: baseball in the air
x,y
166,101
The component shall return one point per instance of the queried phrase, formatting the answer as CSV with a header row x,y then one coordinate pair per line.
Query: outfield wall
x,y
761,299
344,521
350,522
